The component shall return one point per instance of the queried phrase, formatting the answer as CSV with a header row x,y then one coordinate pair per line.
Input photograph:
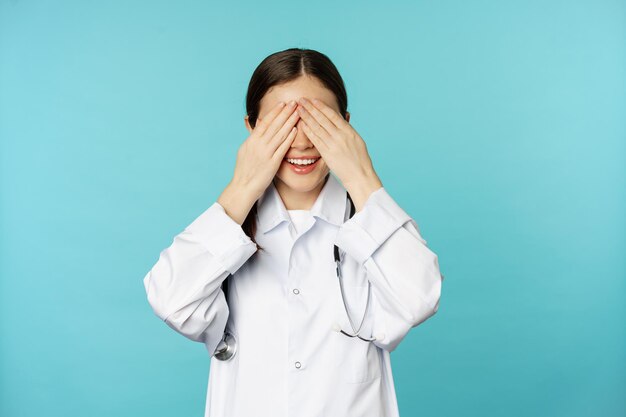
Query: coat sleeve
x,y
403,271
184,286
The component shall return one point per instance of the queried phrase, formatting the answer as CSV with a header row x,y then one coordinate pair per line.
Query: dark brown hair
x,y
283,67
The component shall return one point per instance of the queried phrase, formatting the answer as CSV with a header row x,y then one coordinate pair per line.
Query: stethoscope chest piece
x,y
226,348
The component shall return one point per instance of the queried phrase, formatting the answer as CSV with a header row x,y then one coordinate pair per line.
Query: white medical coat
x,y
285,303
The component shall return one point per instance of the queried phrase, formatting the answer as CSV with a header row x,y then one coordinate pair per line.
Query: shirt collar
x,y
330,205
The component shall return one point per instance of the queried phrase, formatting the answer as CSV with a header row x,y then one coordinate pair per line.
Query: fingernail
x,y
292,103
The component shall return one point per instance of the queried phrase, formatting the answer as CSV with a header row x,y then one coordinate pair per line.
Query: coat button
x,y
298,365
296,291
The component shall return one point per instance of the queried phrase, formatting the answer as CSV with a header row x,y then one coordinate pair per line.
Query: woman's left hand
x,y
341,147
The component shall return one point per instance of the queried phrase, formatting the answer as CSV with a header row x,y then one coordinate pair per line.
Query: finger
x,y
279,120
331,114
282,149
319,143
285,129
320,117
320,132
262,124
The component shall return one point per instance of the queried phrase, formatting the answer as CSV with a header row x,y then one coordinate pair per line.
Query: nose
x,y
301,140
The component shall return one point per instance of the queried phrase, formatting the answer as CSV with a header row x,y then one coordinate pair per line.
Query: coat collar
x,y
330,205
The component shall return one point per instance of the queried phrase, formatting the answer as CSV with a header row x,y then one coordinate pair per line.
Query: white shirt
x,y
299,218
285,303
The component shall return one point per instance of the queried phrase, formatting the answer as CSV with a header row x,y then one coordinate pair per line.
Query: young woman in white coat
x,y
302,342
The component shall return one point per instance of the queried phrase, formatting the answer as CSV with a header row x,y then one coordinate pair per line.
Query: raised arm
x,y
404,272
184,286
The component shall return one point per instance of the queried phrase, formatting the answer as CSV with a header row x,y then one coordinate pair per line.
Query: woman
x,y
271,236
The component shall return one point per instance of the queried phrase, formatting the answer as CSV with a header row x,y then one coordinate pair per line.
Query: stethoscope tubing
x,y
227,348
356,332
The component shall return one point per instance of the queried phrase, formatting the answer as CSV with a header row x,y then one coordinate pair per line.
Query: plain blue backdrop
x,y
499,126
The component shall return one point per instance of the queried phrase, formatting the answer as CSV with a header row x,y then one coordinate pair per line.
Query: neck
x,y
298,200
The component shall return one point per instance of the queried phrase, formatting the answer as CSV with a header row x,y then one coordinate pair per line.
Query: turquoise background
x,y
498,125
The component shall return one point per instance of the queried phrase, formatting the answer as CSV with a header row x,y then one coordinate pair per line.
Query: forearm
x,y
183,287
237,201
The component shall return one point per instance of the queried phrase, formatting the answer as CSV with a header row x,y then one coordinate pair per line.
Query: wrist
x,y
237,201
361,188
244,190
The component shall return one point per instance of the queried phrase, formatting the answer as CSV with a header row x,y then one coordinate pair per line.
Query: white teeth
x,y
301,161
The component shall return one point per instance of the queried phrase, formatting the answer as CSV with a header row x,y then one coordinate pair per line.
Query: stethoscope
x,y
227,347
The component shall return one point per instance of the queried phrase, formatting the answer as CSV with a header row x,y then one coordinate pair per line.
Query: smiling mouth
x,y
311,161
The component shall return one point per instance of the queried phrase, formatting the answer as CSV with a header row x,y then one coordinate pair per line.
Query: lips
x,y
302,169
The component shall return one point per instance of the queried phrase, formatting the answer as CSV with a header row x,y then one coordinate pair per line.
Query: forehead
x,y
304,86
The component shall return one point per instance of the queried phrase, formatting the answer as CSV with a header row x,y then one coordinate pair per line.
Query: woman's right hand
x,y
258,160
261,154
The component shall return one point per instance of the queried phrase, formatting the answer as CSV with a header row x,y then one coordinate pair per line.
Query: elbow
x,y
424,305
435,295
156,302
436,281
427,303
150,295
201,320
